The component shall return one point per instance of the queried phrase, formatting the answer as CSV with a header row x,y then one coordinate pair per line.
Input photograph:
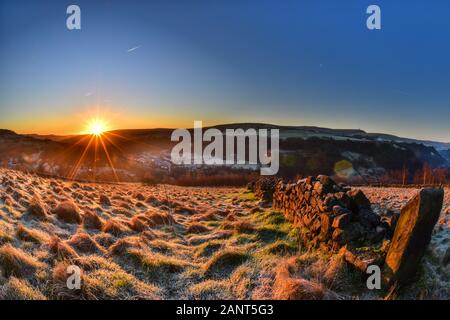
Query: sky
x,y
145,64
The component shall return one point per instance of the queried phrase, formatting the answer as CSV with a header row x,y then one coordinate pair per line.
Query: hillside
x,y
347,154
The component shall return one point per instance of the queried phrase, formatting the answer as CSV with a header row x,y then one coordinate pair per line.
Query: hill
x,y
142,154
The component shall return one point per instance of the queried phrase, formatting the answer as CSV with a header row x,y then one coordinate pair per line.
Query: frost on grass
x,y
135,241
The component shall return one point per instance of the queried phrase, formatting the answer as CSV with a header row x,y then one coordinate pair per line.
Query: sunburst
x,y
97,127
96,130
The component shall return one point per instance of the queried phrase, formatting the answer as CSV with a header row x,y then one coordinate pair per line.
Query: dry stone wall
x,y
329,215
335,217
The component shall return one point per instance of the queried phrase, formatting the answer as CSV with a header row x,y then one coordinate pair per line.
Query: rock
x,y
362,260
264,188
338,210
368,218
412,235
337,235
326,223
358,200
342,220
327,184
318,187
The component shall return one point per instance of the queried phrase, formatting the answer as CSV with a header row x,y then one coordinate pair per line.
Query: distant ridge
x,y
4,132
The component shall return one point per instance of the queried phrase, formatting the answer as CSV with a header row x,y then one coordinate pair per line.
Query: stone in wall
x,y
264,188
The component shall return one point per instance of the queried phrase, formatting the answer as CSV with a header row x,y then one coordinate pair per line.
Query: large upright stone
x,y
412,235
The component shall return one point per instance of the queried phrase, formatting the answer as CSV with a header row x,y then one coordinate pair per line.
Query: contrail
x,y
132,49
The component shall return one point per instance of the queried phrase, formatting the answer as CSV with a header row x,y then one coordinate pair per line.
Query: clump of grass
x,y
239,226
281,247
37,209
61,249
241,282
119,285
213,223
138,223
92,221
196,227
247,196
5,237
270,233
31,235
210,215
6,232
68,212
199,239
210,290
121,246
104,200
271,217
159,217
139,196
104,279
287,287
153,201
224,262
244,226
227,225
245,239
208,248
115,227
84,243
59,287
19,289
15,262
162,246
256,209
104,239
184,210
297,289
156,264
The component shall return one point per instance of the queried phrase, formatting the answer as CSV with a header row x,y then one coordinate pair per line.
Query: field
x,y
137,241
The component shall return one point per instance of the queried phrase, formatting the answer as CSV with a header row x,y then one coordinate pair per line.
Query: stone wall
x,y
335,217
264,188
329,215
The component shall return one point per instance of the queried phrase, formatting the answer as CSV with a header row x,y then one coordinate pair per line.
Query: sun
x,y
97,127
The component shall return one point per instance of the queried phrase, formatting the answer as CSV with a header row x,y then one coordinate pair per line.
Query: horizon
x,y
222,124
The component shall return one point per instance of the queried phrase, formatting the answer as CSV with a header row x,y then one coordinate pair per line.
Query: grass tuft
x,y
224,262
15,262
68,212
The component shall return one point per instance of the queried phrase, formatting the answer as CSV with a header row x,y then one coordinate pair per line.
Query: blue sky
x,y
284,62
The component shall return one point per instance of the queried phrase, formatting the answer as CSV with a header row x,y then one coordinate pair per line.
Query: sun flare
x,y
97,127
